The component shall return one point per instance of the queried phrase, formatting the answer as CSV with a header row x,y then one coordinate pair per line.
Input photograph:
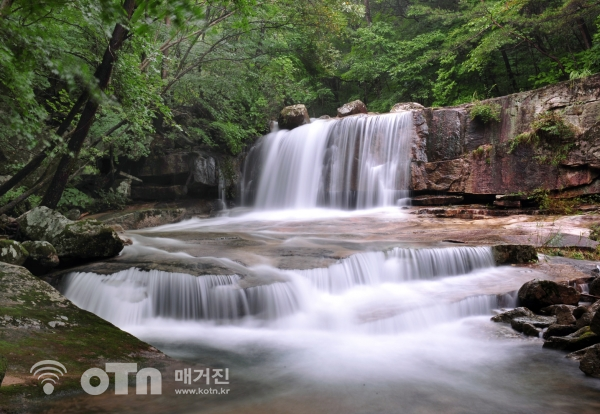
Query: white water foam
x,y
357,162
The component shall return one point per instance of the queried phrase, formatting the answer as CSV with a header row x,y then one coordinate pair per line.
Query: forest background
x,y
83,80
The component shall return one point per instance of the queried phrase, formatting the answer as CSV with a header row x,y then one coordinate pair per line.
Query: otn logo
x,y
121,371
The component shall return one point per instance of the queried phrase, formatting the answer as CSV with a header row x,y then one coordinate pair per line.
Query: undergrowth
x,y
550,130
571,253
485,112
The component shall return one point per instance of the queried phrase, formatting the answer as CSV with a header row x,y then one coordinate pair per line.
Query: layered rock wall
x,y
455,154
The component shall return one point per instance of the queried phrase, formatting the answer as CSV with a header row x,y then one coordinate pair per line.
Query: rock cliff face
x,y
456,154
176,174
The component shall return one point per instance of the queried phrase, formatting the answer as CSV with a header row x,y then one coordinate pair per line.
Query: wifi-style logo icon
x,y
47,373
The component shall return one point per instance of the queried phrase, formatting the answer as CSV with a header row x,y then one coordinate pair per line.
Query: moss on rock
x,y
38,323
12,252
73,240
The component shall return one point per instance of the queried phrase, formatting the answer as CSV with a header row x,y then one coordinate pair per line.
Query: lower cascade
x,y
379,292
357,162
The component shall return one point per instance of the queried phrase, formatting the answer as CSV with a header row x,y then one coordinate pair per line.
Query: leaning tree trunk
x,y
103,74
38,159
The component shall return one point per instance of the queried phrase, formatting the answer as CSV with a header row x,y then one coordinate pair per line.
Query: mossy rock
x,y
38,323
12,252
42,257
73,240
514,254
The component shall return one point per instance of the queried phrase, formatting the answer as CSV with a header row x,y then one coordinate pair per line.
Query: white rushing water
x,y
397,286
356,162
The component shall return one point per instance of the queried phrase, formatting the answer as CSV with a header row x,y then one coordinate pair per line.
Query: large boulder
x,y
537,294
514,254
293,116
42,257
352,108
12,252
590,363
73,241
406,106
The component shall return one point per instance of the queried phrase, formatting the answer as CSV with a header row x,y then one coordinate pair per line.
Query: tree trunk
x,y
38,159
587,38
103,74
5,7
511,75
368,12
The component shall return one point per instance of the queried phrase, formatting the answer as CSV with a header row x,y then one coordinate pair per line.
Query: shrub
x,y
551,129
485,112
109,200
551,205
26,205
73,198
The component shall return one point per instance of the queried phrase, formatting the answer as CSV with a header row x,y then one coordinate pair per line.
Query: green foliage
x,y
214,73
485,112
526,138
553,132
595,232
26,205
109,200
552,126
73,198
551,205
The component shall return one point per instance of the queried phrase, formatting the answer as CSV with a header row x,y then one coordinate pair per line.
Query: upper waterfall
x,y
355,162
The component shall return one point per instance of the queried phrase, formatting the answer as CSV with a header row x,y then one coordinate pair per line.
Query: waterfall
x,y
135,297
399,265
355,162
